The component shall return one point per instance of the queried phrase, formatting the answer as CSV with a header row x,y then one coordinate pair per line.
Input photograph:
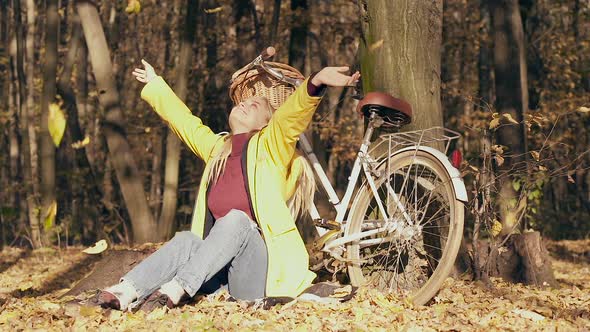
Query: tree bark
x,y
113,126
274,24
19,83
29,116
47,151
400,54
298,37
166,222
511,98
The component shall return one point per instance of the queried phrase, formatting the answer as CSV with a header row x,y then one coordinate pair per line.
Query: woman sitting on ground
x,y
243,233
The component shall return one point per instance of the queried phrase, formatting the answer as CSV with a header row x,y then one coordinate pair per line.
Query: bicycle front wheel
x,y
413,251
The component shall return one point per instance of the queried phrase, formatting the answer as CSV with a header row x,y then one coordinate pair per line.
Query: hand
x,y
145,76
335,76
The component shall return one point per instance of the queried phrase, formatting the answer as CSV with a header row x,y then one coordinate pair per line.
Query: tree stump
x,y
535,261
523,258
108,271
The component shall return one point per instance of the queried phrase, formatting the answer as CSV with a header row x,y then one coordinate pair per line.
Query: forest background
x,y
66,191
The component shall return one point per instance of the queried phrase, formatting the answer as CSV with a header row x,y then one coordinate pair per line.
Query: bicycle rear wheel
x,y
417,249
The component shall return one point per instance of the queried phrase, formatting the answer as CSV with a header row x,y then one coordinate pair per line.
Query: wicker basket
x,y
257,82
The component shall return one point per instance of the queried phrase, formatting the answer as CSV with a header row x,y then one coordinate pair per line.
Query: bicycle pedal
x,y
327,224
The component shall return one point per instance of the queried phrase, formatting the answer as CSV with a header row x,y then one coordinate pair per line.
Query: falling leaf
x,y
97,248
56,122
50,216
213,10
376,45
133,7
535,155
570,179
82,143
583,109
509,118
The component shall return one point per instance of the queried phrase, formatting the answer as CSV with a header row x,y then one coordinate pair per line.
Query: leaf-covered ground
x,y
30,283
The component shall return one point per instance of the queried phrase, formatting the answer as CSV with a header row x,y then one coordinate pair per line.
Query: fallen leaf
x,y
583,109
535,317
535,155
97,248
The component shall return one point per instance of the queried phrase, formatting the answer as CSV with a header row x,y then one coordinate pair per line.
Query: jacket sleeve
x,y
191,130
287,123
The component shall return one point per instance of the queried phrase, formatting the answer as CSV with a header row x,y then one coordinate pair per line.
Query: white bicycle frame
x,y
363,161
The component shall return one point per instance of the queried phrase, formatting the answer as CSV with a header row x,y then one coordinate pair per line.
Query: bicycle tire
x,y
360,273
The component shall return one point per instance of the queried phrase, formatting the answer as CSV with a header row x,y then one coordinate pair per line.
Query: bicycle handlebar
x,y
259,62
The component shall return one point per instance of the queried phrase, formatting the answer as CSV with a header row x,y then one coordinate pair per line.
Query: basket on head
x,y
257,82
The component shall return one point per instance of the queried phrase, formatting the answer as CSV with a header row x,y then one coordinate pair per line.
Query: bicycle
x,y
403,229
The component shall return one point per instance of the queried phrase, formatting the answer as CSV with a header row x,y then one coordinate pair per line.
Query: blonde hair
x,y
301,200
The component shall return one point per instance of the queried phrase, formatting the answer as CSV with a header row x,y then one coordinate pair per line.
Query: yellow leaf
x,y
213,10
535,317
583,109
375,45
496,228
542,168
97,248
82,143
499,160
87,311
494,123
50,215
133,7
509,118
49,306
56,122
535,155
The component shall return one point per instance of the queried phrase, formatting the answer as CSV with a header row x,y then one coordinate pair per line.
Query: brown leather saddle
x,y
394,111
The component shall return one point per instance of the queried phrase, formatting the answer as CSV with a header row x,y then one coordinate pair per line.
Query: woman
x,y
242,233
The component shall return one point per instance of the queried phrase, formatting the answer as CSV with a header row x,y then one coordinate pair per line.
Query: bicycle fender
x,y
458,185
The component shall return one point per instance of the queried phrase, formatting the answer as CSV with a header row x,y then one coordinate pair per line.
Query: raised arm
x,y
191,130
293,117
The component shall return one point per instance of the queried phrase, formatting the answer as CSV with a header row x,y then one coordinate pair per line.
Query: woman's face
x,y
250,115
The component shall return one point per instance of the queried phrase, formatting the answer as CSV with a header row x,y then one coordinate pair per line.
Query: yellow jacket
x,y
269,161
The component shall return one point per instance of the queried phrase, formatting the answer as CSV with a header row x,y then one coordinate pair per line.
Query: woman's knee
x,y
236,219
185,238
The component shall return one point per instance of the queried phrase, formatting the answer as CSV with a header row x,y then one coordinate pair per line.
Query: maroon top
x,y
229,192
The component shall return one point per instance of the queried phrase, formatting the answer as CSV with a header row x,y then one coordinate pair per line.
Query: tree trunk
x,y
274,24
49,91
536,263
298,38
400,54
512,98
29,117
142,221
64,89
19,83
166,222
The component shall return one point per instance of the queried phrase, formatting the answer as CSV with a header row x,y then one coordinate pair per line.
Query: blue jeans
x,y
234,251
